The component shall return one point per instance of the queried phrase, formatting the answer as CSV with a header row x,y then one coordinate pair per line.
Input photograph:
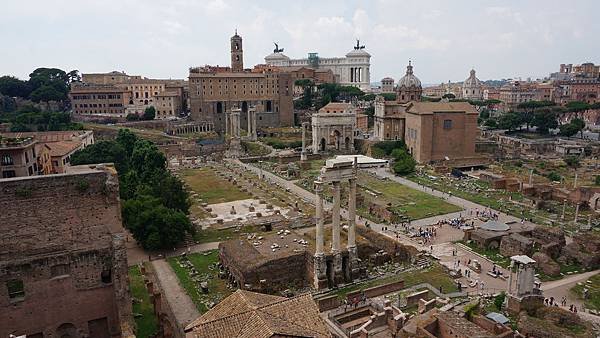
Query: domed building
x,y
409,87
471,88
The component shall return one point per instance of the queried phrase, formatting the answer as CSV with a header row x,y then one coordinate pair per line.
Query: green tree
x,y
510,120
153,225
553,176
572,161
404,164
577,106
499,300
448,96
389,96
491,123
102,152
544,120
49,84
132,117
579,124
13,87
567,129
149,113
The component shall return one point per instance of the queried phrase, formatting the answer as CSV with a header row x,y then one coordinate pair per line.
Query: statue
x,y
277,49
358,46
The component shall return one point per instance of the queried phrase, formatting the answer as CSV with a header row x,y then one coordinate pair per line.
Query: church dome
x,y
472,81
409,80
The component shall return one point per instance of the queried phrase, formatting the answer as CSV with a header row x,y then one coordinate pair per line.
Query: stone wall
x,y
516,244
377,290
62,237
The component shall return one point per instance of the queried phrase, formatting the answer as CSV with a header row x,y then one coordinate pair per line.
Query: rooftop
x,y
63,148
256,315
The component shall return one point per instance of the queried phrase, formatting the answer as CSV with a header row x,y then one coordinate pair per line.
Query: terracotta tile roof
x,y
247,314
63,148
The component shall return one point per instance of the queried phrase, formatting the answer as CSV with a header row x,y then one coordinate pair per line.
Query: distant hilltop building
x,y
213,91
471,87
570,71
351,70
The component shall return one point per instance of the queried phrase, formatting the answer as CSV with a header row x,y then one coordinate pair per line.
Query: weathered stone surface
x,y
516,244
61,235
545,235
548,266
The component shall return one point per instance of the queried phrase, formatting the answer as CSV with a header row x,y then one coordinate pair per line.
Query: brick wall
x,y
61,235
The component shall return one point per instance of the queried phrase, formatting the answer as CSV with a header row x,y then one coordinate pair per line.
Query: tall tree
x,y
544,120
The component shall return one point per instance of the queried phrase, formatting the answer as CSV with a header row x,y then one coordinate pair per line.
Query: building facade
x,y
409,87
515,93
350,70
333,128
472,88
18,157
63,265
387,85
213,91
117,94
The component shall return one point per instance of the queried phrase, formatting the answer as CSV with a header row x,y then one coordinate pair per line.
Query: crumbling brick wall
x,y
62,237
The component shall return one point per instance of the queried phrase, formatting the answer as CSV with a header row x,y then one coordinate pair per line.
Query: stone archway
x,y
595,202
335,139
219,108
244,107
322,144
347,143
67,330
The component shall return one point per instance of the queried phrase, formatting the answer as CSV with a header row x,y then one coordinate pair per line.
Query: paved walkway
x,y
182,306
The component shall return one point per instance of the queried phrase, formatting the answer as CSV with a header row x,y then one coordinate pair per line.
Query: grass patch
x,y
255,148
593,299
212,188
205,264
433,275
146,323
405,201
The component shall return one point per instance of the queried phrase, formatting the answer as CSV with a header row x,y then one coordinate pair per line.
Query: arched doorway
x,y
244,107
322,144
269,106
335,139
67,330
347,143
219,108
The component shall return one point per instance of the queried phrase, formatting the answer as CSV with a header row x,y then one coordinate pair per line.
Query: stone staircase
x,y
423,262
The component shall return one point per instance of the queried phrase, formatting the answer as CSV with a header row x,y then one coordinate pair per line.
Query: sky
x,y
163,38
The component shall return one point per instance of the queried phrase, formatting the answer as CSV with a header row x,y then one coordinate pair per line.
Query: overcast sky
x,y
162,38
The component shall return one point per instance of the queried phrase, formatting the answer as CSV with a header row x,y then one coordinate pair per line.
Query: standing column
x,y
303,152
319,218
254,130
352,215
227,131
576,213
319,266
249,116
336,218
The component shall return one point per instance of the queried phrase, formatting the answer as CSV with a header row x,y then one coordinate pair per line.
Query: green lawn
x,y
405,201
145,321
255,148
433,275
492,254
212,188
593,300
205,264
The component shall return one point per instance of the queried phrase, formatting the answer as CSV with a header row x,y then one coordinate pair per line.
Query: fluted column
x,y
303,152
319,218
335,228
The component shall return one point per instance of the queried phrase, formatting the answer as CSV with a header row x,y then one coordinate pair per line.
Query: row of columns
x,y
252,124
320,270
356,74
232,123
194,128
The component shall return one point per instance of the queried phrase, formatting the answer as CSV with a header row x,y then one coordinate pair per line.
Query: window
x,y
447,124
7,160
8,174
16,289
60,270
106,276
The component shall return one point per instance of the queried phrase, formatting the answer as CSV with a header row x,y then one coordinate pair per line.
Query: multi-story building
x,y
18,156
387,85
213,91
570,71
51,152
544,92
63,263
432,131
98,99
515,93
117,94
317,76
351,70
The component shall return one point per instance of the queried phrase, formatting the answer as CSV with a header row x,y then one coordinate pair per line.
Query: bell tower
x,y
237,53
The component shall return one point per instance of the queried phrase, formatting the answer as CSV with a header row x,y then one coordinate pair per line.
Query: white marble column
x,y
335,228
319,218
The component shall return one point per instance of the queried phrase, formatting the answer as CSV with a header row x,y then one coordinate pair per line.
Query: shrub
x,y
499,300
553,176
572,161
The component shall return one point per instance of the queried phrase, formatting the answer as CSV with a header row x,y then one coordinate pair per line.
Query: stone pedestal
x,y
338,273
320,269
353,262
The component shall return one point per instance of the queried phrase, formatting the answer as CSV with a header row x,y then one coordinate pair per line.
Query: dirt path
x,y
182,306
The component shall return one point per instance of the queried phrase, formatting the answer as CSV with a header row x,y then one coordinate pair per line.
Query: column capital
x,y
318,186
